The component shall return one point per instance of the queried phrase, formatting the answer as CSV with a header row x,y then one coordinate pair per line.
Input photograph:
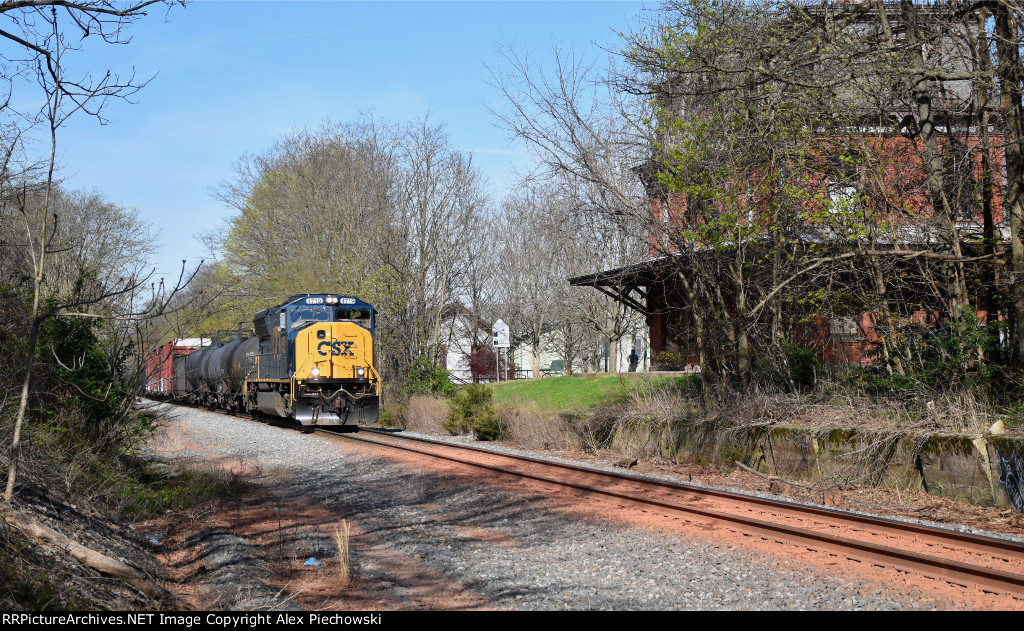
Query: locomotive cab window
x,y
359,316
304,315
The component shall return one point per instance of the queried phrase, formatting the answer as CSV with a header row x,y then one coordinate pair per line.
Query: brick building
x,y
895,196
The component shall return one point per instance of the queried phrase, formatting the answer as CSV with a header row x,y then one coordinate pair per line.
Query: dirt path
x,y
250,552
429,535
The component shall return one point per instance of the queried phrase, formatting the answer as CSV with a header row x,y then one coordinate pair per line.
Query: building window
x,y
844,328
842,198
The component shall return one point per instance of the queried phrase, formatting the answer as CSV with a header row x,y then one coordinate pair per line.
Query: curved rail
x,y
981,577
967,575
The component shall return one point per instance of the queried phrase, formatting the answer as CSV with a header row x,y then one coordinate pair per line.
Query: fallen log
x,y
93,559
772,478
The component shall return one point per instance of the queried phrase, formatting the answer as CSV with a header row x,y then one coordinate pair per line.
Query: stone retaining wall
x,y
985,470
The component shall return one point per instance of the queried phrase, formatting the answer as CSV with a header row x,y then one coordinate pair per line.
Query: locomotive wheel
x,y
306,429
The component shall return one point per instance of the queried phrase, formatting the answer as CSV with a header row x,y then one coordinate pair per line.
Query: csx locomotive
x,y
310,360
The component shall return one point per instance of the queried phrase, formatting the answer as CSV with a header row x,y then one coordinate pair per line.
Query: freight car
x,y
160,364
310,360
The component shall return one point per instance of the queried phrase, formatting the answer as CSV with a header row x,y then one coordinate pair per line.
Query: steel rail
x,y
954,572
878,524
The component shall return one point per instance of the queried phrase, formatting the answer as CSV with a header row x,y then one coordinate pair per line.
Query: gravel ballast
x,y
610,467
510,548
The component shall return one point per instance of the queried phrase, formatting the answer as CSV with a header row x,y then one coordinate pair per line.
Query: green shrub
x,y
84,394
804,365
1014,414
424,378
472,410
881,384
80,420
390,418
667,360
486,425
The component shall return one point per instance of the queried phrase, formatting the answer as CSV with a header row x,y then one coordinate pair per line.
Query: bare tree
x,y
589,137
552,230
46,33
386,212
531,237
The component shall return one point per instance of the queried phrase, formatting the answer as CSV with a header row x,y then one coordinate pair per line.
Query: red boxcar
x,y
160,364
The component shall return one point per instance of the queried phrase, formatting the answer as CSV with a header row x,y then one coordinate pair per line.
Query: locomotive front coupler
x,y
320,388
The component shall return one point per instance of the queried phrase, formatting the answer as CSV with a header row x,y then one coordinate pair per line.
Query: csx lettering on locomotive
x,y
342,349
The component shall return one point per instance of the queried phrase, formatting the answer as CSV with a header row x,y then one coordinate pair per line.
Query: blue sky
x,y
234,75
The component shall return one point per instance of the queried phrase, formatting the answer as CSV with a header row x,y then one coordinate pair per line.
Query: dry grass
x,y
528,427
961,413
426,413
832,406
341,540
649,399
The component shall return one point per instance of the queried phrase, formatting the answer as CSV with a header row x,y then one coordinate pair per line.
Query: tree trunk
x,y
39,267
12,471
698,325
991,240
945,215
1009,72
741,324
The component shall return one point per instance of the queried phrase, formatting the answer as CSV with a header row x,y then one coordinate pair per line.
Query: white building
x,y
460,331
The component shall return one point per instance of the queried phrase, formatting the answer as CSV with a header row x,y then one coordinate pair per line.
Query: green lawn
x,y
580,395
562,394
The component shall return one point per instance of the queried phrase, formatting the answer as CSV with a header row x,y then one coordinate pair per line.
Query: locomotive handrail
x,y
376,377
246,379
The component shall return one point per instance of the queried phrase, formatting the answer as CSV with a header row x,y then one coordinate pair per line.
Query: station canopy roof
x,y
630,284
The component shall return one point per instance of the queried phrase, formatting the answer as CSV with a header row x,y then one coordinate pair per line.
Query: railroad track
x,y
973,562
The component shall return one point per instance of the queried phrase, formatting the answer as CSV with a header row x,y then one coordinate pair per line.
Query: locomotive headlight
x,y
360,372
314,373
332,300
